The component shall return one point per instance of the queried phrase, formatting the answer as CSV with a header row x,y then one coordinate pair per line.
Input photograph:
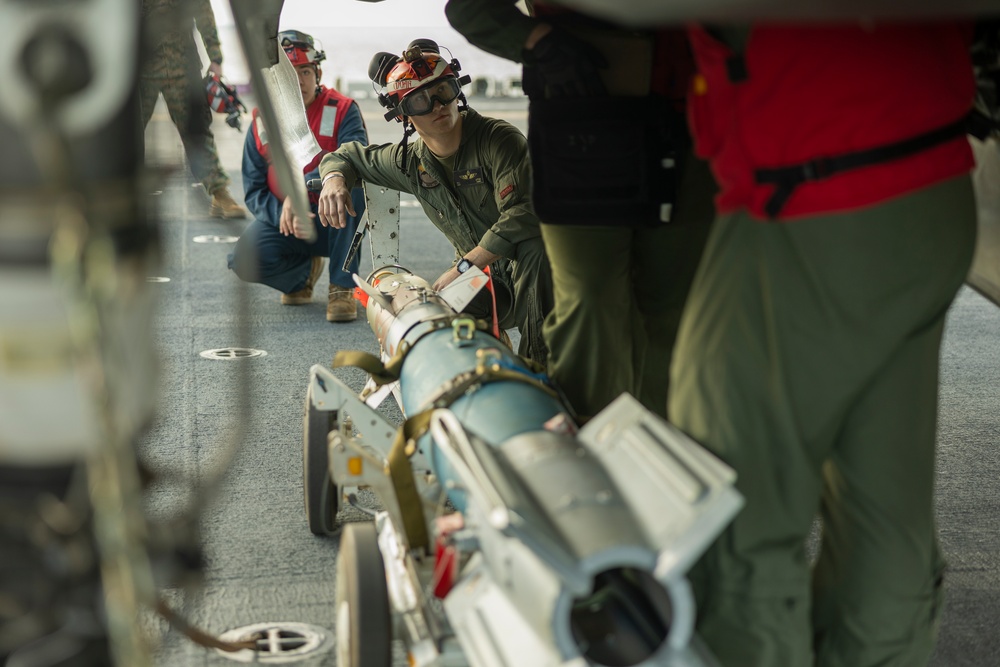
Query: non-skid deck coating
x,y
262,562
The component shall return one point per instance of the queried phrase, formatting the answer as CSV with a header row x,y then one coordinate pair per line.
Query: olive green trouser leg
x,y
532,278
595,333
619,293
877,584
807,359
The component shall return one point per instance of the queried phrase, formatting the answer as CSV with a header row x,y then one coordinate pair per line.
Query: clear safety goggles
x,y
294,38
421,101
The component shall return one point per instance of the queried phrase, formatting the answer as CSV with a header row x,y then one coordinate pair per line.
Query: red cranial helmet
x,y
416,70
419,69
222,98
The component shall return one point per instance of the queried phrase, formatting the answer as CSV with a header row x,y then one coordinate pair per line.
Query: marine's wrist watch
x,y
464,265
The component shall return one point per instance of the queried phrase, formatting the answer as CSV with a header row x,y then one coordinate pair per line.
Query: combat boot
x,y
305,295
224,206
341,307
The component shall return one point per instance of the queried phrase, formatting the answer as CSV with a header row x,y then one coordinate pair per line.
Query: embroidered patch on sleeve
x,y
426,180
506,191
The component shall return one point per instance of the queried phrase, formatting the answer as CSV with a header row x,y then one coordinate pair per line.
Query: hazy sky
x,y
388,13
351,31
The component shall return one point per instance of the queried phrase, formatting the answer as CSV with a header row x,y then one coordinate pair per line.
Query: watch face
x,y
463,265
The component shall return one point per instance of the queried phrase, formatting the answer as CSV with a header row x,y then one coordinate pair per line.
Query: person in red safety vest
x,y
807,356
268,251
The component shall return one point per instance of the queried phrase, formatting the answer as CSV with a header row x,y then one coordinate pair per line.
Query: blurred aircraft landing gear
x,y
321,494
363,625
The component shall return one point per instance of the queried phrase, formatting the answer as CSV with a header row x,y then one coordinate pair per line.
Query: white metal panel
x,y
382,211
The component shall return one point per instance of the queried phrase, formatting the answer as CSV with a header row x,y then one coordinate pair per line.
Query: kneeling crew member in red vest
x,y
807,356
268,252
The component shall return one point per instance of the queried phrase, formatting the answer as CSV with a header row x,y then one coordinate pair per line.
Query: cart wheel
x,y
320,490
363,625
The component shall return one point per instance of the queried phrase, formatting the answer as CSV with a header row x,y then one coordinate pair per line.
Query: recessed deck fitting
x,y
229,353
215,238
277,643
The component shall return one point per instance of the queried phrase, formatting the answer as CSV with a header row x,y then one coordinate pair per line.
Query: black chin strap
x,y
408,129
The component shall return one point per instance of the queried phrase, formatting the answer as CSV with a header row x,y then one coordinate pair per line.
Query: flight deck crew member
x,y
807,357
173,67
620,276
268,251
470,174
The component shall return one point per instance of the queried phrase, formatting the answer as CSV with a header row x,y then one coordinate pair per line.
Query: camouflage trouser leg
x,y
192,117
149,92
808,360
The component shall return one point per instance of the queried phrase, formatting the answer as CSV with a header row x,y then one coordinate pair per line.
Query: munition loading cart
x,y
555,546
507,535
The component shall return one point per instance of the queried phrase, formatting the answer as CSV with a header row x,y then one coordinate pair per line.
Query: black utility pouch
x,y
610,161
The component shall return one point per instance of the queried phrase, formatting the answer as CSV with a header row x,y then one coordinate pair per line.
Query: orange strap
x,y
493,301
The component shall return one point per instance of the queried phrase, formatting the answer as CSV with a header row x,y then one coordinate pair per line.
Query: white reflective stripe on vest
x,y
327,121
261,132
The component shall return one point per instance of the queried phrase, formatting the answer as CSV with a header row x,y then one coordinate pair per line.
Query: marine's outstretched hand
x,y
335,202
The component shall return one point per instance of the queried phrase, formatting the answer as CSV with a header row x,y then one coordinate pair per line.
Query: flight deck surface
x,y
263,565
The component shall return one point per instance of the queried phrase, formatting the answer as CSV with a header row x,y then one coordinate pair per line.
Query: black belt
x,y
786,179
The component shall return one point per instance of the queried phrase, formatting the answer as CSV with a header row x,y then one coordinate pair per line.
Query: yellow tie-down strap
x,y
487,370
401,475
416,426
389,372
381,373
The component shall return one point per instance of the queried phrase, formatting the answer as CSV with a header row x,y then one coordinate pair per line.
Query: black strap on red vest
x,y
786,179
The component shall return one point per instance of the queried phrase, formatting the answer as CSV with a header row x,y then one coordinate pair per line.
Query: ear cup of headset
x,y
425,45
381,63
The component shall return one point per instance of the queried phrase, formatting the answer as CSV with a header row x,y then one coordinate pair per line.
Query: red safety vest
x,y
799,93
324,116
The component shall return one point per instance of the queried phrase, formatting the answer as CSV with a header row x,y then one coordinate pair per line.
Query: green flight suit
x,y
482,202
807,359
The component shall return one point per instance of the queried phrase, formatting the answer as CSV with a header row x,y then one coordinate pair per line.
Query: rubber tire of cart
x,y
321,493
362,600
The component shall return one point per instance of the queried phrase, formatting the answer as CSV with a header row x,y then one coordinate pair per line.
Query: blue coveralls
x,y
263,254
